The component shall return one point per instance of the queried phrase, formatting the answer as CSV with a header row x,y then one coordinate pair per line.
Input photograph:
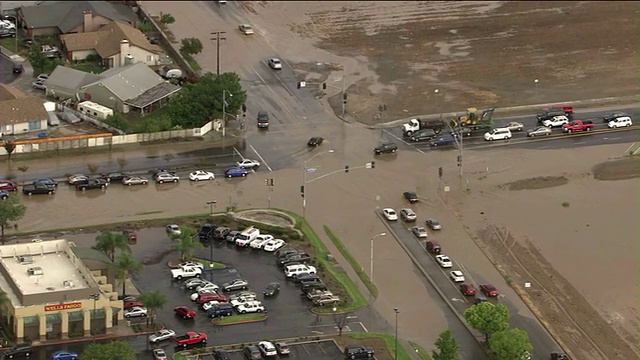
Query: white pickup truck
x,y
556,121
186,272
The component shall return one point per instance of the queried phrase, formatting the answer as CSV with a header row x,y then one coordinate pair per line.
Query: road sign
x,y
310,170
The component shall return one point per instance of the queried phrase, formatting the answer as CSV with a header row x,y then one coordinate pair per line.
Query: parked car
x,y
18,350
159,354
17,68
206,232
385,148
272,289
220,354
259,241
315,141
243,294
444,261
267,348
48,182
37,188
64,355
166,177
134,180
283,348
489,290
161,335
408,215
390,214
273,245
248,164
191,284
411,196
237,284
433,224
419,231
135,312
4,194
235,172
252,352
39,84
201,175
92,184
246,29
114,176
456,276
275,63
250,307
173,229
468,289
8,185
184,312
358,352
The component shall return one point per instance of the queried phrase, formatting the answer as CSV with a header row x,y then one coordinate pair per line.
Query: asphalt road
x,y
6,70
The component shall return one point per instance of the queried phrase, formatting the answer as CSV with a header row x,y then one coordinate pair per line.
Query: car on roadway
x,y
489,290
220,354
390,214
272,289
93,184
385,148
468,289
283,348
515,126
497,134
18,68
456,276
161,335
37,188
39,84
77,179
159,354
131,235
556,121
248,164
433,224
273,245
236,284
275,63
419,231
173,229
4,194
408,215
235,172
64,355
623,121
423,135
612,116
464,131
444,261
263,120
443,140
246,29
134,180
267,348
201,175
539,131
45,181
164,177
411,196
8,185
184,312
137,311
113,176
315,141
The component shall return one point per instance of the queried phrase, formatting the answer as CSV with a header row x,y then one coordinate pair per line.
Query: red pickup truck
x,y
191,338
578,125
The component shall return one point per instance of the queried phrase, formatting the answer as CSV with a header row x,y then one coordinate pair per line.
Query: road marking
x,y
458,300
276,96
618,138
406,143
260,157
579,143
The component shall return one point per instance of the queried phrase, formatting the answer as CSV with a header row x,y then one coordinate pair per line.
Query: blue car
x,y
64,355
235,172
443,140
4,194
48,182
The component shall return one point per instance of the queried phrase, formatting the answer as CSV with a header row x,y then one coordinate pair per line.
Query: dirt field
x,y
475,53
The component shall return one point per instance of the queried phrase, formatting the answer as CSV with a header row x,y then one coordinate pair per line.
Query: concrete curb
x,y
241,322
502,112
89,339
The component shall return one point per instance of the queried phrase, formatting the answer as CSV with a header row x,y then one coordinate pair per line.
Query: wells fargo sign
x,y
67,306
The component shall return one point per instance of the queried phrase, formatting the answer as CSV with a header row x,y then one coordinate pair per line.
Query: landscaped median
x,y
239,319
390,342
174,263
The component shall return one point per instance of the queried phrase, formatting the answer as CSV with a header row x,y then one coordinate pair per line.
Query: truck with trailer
x,y
473,121
417,124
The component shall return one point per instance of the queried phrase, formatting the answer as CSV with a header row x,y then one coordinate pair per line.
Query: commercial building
x,y
56,290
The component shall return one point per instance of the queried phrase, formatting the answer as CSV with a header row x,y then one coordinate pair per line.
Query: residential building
x,y
66,17
20,113
117,44
56,290
64,82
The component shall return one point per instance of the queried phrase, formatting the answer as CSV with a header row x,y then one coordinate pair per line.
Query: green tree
x,y
191,46
114,350
125,265
447,347
38,60
186,243
10,147
510,344
109,243
153,300
167,19
11,209
487,318
118,121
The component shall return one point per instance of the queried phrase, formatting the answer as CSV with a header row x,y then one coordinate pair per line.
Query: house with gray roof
x,y
67,17
64,82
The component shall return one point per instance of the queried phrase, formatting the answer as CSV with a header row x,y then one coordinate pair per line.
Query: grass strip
x,y
389,341
192,62
352,261
239,318
358,301
179,356
422,353
207,263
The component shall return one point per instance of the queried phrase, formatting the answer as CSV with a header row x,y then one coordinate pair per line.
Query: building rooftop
x,y
48,269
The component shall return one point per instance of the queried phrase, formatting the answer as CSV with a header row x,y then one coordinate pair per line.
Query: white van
x,y
247,236
292,271
497,134
620,122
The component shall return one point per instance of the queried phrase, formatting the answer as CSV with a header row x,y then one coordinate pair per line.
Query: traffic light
x,y
459,160
302,190
440,172
346,168
373,164
344,98
324,86
244,108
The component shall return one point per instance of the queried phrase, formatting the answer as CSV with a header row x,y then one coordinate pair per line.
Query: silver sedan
x,y
419,232
134,180
539,131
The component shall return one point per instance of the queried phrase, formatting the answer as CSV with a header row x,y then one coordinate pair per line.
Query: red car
x,y
185,312
467,289
206,297
8,185
489,290
131,235
132,303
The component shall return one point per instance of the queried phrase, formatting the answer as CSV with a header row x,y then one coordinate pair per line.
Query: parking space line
x,y
260,157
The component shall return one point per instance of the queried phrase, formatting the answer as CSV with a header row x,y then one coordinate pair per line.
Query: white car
x,y
267,348
273,245
457,276
243,300
444,261
201,175
390,214
136,311
161,335
196,294
246,29
260,241
556,121
208,305
173,229
250,307
275,63
620,122
191,264
209,286
248,164
244,242
242,294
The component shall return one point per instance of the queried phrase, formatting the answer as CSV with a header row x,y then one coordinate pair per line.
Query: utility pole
x,y
219,36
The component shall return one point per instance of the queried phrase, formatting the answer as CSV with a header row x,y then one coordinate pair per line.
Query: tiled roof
x,y
22,110
82,41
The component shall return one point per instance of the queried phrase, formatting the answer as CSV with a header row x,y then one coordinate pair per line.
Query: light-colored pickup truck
x,y
186,272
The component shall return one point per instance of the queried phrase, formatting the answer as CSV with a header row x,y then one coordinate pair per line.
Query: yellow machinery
x,y
471,118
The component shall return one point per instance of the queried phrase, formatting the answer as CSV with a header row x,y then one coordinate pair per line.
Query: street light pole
x,y
436,91
224,111
371,259
304,182
396,339
344,92
95,297
535,81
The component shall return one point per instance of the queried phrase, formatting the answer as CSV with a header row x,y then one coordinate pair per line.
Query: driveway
x,y
6,70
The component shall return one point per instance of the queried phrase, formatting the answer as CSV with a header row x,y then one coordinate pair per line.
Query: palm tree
x,y
153,300
186,243
109,242
125,264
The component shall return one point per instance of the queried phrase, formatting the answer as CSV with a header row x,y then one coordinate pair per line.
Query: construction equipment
x,y
473,121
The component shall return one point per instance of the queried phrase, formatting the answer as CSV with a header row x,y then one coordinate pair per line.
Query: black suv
x,y
263,120
18,351
252,352
17,68
358,352
206,232
299,258
550,114
612,116
385,148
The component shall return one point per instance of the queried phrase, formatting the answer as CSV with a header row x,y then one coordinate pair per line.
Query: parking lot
x,y
317,350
